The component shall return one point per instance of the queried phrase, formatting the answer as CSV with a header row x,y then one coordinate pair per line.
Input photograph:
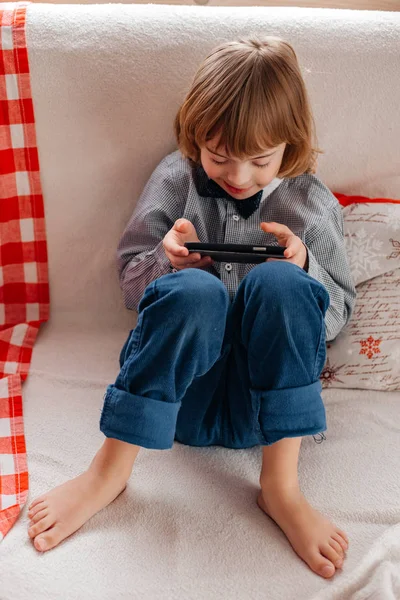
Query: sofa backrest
x,y
107,81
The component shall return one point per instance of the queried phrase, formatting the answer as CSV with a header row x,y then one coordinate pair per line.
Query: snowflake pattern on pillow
x,y
366,354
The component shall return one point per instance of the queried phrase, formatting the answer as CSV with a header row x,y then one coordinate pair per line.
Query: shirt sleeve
x,y
140,255
328,264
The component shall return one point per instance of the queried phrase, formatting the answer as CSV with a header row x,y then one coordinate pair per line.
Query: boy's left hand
x,y
295,252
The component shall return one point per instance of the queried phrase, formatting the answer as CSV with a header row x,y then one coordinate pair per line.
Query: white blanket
x,y
187,525
106,83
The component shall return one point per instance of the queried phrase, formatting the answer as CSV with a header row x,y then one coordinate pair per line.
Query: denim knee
x,y
281,283
187,289
194,291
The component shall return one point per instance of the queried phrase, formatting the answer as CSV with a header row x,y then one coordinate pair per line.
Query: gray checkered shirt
x,y
302,203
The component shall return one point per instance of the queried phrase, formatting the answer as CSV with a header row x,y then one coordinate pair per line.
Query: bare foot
x,y
313,537
59,513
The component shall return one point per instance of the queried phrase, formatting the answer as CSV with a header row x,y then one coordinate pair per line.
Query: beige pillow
x,y
366,353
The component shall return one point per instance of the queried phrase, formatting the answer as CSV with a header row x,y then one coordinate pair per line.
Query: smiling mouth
x,y
237,190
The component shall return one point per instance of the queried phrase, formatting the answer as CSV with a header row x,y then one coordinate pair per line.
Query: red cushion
x,y
346,200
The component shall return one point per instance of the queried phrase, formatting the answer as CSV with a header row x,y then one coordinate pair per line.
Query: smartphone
x,y
238,253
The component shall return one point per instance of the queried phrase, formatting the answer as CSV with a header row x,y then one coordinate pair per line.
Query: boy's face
x,y
241,178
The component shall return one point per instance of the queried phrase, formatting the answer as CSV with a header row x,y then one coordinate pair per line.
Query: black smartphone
x,y
240,253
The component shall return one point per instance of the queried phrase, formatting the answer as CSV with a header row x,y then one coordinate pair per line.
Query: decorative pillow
x,y
366,353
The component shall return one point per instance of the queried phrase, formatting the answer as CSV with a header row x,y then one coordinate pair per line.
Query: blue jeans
x,y
206,371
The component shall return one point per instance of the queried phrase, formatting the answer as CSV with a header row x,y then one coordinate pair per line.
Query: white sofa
x,y
106,83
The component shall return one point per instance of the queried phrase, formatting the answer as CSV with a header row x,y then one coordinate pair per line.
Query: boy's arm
x,y
328,263
140,255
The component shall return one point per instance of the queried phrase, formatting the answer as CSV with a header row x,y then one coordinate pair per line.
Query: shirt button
x,y
228,267
235,218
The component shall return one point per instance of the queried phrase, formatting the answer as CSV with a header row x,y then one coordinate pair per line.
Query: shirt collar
x,y
208,188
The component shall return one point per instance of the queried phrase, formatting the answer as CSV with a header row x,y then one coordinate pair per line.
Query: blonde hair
x,y
251,93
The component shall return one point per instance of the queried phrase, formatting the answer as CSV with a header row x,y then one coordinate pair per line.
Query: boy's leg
x,y
314,538
59,513
278,319
279,316
179,336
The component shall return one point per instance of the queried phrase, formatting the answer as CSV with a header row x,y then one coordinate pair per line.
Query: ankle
x,y
100,474
271,484
114,460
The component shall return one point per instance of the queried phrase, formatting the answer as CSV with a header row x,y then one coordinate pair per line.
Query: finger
x,y
175,249
281,232
293,244
199,264
182,225
206,261
201,260
192,258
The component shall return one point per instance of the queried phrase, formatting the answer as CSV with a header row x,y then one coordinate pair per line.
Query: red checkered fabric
x,y
24,288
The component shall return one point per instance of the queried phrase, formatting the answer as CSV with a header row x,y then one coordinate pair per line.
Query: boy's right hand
x,y
179,256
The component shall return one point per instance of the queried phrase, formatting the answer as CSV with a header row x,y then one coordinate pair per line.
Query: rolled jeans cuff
x,y
289,412
139,420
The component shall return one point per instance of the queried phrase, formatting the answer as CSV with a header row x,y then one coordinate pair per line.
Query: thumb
x,y
182,225
280,231
268,226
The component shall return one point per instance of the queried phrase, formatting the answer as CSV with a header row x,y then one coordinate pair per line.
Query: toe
x,y
38,506
40,543
344,536
42,525
36,501
48,540
340,541
39,515
339,550
331,554
321,566
326,570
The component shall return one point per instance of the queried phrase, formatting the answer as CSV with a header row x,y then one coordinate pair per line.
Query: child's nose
x,y
239,177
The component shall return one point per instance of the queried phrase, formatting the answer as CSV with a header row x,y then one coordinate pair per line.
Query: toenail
x,y
40,544
338,563
327,570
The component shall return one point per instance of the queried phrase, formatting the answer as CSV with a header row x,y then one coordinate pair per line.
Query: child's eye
x,y
223,162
